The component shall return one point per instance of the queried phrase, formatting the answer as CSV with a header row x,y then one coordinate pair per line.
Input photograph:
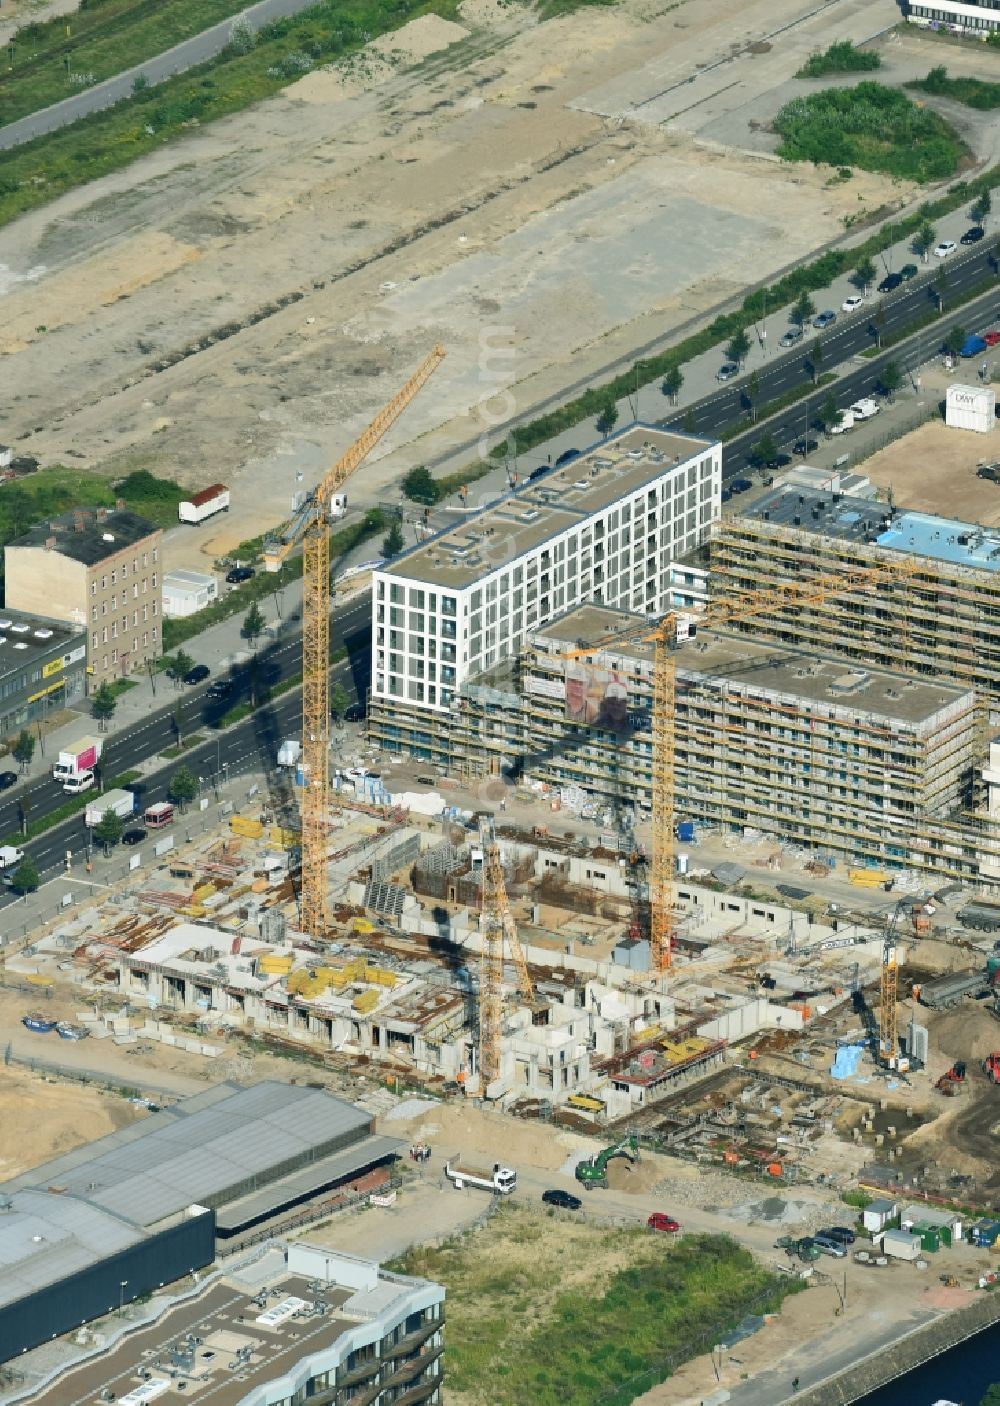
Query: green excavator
x,y
594,1172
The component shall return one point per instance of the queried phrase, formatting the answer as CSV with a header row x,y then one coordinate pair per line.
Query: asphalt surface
x,y
198,49
261,734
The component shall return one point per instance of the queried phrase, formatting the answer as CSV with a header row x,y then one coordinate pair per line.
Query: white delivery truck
x,y
501,1180
289,752
204,504
10,855
121,802
78,760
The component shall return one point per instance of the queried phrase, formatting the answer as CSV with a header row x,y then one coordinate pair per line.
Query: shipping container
x,y
204,504
971,408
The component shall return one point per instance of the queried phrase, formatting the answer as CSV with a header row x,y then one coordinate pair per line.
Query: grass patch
x,y
589,1314
973,92
119,686
195,740
872,127
840,58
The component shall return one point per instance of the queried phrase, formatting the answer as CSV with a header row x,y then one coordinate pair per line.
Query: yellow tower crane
x,y
665,636
495,923
311,526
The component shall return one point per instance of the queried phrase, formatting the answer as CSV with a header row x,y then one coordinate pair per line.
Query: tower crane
x,y
665,637
495,923
888,1033
311,527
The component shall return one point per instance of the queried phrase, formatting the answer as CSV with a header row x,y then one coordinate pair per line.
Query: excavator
x,y
952,1080
991,1067
594,1172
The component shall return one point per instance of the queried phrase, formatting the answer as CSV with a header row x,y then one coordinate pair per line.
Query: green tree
x,y
421,487
753,394
253,624
182,664
890,379
814,360
690,424
26,877
924,239
954,338
109,829
183,787
992,1397
340,700
864,274
103,705
739,346
804,309
764,451
393,542
607,419
981,208
671,384
829,412
24,749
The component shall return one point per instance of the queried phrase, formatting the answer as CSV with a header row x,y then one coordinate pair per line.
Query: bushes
x,y
840,58
871,127
973,92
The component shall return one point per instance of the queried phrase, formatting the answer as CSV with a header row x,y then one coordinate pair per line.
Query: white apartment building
x,y
959,16
605,528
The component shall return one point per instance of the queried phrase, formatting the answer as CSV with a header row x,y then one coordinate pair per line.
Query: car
x,y
780,461
805,445
361,773
73,785
565,1200
908,271
7,780
659,1220
851,303
793,335
992,339
840,1232
236,574
946,247
891,281
824,319
198,674
829,1246
540,472
356,713
865,408
727,371
220,688
727,493
741,485
973,235
845,423
989,471
567,456
972,346
134,837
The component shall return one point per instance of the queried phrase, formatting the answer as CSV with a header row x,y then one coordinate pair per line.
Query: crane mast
x,y
495,923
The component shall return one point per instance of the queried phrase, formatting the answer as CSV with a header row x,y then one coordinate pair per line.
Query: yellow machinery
x,y
496,922
311,526
664,637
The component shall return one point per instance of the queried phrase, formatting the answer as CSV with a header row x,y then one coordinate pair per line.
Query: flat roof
x,y
561,499
744,662
83,534
24,638
45,1238
182,576
852,518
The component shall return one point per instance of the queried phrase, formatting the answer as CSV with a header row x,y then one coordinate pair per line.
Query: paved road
x,y
196,50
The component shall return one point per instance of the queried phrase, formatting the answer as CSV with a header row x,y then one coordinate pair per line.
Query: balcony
x,y
420,1392
409,1371
413,1340
362,1372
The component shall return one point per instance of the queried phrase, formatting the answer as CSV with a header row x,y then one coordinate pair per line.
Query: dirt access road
x,y
456,183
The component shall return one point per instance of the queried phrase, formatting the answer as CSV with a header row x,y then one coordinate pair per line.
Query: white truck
x,y
121,802
79,758
9,856
501,1180
204,504
289,752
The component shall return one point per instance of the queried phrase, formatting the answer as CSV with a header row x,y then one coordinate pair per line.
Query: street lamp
x,y
122,1283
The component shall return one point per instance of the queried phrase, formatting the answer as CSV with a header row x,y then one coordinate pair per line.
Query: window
x,y
93,588
104,583
114,577
114,656
94,640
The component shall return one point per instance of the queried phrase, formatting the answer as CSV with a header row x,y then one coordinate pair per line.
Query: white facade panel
x,y
954,14
971,408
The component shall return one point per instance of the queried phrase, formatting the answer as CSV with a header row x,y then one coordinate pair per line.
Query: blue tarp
x,y
845,1066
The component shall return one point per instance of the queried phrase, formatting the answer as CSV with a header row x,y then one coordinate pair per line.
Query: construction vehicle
x,y
953,1079
991,1067
665,637
594,1172
501,1180
311,527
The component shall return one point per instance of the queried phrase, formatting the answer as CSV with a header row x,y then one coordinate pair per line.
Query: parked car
x,y
891,281
805,445
7,780
361,773
946,247
829,1246
659,1220
198,674
840,1232
991,339
973,346
567,456
563,1199
973,235
823,320
793,335
908,271
237,574
851,303
220,688
780,461
741,485
133,837
727,371
865,408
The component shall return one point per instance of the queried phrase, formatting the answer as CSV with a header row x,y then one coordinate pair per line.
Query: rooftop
x,y
747,665
844,516
45,1237
536,511
182,576
88,535
24,638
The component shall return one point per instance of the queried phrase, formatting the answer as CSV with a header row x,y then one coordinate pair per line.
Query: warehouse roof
x,y
541,509
88,535
209,1150
27,638
44,1238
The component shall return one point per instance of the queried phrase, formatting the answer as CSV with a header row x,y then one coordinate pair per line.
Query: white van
x,y
75,784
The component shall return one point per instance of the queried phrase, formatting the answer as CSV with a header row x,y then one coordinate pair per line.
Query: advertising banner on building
x,y
598,697
545,688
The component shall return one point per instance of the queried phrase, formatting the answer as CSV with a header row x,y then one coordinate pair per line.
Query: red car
x,y
659,1221
992,339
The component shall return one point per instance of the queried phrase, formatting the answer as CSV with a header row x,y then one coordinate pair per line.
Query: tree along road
x,y
198,49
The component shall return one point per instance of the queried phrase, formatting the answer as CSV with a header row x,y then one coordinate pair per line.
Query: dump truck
x,y
82,755
501,1180
204,504
121,802
594,1171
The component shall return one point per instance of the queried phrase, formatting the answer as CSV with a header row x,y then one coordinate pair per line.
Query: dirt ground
x,y
451,185
481,1136
41,1118
933,470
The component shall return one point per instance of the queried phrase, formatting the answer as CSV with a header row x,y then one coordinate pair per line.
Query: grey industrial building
x,y
146,1204
43,667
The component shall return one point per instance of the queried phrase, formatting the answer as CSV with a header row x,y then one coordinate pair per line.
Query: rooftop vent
x,y
107,536
20,628
43,634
